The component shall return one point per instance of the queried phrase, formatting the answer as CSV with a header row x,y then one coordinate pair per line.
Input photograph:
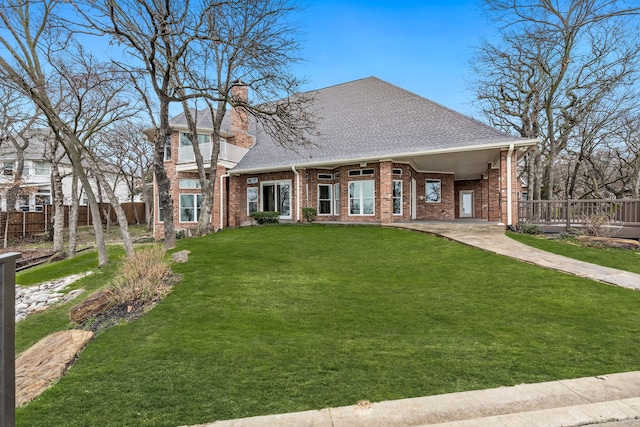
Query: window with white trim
x,y
190,206
324,199
7,168
336,199
42,168
433,191
41,201
397,171
160,213
185,139
361,172
252,200
362,197
189,184
397,197
325,176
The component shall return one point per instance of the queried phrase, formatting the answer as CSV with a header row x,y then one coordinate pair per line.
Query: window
x,y
433,191
397,197
397,171
185,139
167,148
160,213
252,180
190,206
189,184
252,200
41,201
336,199
361,198
325,176
361,172
324,199
42,168
336,175
7,168
23,202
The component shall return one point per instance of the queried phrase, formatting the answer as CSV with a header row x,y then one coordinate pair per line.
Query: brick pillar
x,y
386,192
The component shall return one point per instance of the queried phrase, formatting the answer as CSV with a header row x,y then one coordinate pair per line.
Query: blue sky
x,y
422,46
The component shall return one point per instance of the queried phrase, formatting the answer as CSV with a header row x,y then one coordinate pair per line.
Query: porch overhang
x,y
463,162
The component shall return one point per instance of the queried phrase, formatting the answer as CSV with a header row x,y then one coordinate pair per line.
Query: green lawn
x,y
291,318
623,259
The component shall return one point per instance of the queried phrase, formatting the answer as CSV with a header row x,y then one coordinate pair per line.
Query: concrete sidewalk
x,y
568,403
491,237
608,400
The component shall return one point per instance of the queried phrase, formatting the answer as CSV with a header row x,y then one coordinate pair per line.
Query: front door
x,y
466,204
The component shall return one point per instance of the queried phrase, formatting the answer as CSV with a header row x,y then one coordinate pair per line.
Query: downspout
x,y
509,192
222,177
293,168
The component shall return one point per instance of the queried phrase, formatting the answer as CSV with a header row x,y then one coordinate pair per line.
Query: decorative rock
x,y
38,367
97,303
30,299
180,256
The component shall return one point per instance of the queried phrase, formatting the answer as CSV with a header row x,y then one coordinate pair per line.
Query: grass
x,y
623,259
280,319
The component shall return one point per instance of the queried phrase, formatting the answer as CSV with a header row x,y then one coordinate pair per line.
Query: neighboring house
x,y
380,154
36,190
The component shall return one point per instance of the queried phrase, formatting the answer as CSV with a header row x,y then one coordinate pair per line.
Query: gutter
x,y
509,192
222,177
293,168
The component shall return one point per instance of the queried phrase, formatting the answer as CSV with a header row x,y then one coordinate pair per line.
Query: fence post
x,y
7,338
568,215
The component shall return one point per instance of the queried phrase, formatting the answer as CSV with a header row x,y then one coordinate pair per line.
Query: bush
x,y
526,228
309,214
142,277
266,217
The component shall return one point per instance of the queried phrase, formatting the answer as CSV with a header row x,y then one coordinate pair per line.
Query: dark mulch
x,y
125,312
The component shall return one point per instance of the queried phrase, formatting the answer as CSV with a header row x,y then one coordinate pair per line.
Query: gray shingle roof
x,y
371,118
203,120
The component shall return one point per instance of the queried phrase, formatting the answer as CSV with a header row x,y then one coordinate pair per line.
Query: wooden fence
x,y
26,224
620,213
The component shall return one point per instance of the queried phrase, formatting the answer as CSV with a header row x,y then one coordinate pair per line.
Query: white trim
x,y
414,199
293,168
509,192
401,196
257,201
196,213
361,197
426,199
461,204
276,182
336,198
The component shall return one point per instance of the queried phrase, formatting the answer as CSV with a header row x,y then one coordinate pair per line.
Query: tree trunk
x,y
73,217
115,205
162,180
58,216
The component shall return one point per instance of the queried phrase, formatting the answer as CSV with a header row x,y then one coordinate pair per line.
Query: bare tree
x,y
125,147
582,52
247,46
37,55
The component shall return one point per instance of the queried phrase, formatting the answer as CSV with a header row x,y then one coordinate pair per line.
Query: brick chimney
x,y
239,116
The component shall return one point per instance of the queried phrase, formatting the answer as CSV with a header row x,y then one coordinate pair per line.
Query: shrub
x,y
266,217
526,228
598,222
309,214
142,277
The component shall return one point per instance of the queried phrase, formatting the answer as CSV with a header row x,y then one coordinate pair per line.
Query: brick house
x,y
380,154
